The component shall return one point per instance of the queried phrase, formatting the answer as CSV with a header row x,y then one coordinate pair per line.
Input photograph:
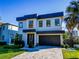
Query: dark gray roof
x,y
9,24
57,14
26,17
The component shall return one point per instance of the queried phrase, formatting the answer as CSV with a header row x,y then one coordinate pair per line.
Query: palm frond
x,y
78,26
72,20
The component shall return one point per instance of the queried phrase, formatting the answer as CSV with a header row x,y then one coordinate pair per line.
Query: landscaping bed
x,y
71,54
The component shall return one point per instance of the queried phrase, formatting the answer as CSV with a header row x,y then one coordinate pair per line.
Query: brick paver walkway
x,y
50,53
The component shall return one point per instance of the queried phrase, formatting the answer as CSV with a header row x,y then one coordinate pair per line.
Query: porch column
x,y
61,38
35,39
25,39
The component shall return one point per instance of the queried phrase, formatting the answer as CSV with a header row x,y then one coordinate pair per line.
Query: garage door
x,y
53,40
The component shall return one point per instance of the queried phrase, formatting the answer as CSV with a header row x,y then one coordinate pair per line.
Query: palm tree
x,y
72,18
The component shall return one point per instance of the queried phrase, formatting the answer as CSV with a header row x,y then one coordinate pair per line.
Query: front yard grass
x,y
9,53
67,54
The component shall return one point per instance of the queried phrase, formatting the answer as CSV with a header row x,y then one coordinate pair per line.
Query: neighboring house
x,y
75,33
8,32
43,29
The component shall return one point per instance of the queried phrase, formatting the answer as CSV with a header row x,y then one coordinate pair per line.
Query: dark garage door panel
x,y
53,40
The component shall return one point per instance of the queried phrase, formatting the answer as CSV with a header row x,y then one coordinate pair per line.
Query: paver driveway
x,y
47,53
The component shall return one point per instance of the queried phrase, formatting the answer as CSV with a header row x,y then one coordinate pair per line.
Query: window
x,y
21,24
12,36
12,41
15,28
3,37
40,24
57,22
48,23
3,27
9,27
31,24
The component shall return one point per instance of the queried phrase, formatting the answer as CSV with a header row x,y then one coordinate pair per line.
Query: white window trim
x,y
21,24
50,22
59,21
42,23
28,24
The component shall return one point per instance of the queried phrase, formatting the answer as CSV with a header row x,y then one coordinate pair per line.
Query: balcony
x,y
49,28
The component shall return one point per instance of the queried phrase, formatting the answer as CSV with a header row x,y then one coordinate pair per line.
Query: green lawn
x,y
9,53
70,54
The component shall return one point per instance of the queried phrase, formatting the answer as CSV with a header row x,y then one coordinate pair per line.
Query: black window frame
x,y
57,22
31,24
48,23
40,23
20,24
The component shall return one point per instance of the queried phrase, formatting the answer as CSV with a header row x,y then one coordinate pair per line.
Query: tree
x,y
18,41
72,17
17,36
66,35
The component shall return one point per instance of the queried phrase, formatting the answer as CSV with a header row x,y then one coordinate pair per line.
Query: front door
x,y
30,40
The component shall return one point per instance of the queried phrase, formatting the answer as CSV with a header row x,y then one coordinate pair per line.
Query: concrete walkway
x,y
47,53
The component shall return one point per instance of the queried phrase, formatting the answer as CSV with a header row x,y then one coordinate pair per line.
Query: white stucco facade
x,y
37,29
44,28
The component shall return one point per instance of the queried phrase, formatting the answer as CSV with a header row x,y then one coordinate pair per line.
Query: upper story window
x,y
9,27
3,27
57,22
41,23
48,23
31,24
21,24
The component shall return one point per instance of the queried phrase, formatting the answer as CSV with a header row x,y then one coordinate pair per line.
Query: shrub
x,y
76,41
19,43
10,46
69,42
2,43
65,46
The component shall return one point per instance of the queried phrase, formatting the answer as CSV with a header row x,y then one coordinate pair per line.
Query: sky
x,y
10,9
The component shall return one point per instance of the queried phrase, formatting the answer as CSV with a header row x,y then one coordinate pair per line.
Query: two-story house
x,y
43,29
8,32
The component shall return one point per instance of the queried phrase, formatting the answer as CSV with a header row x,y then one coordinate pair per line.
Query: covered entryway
x,y
53,40
30,40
